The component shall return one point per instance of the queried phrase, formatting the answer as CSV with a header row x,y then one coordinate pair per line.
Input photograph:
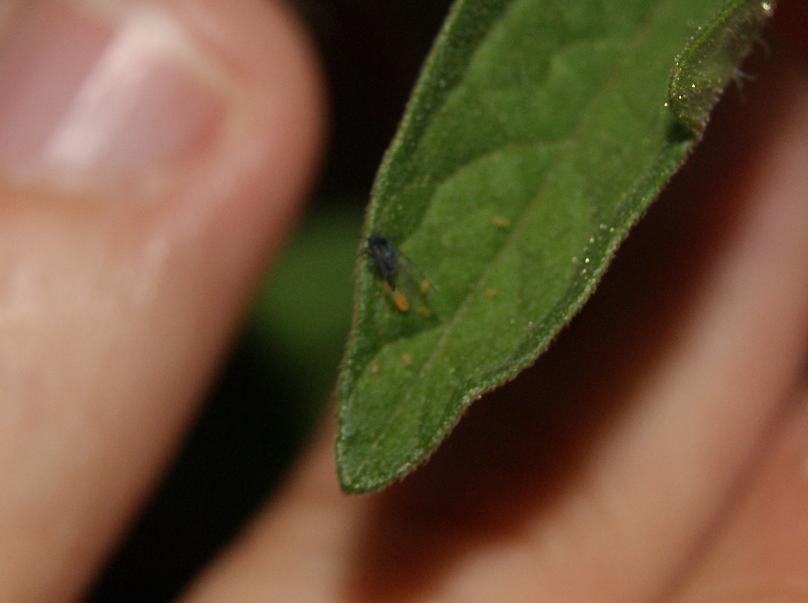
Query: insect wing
x,y
412,287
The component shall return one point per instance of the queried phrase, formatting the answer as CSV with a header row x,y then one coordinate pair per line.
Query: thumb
x,y
151,155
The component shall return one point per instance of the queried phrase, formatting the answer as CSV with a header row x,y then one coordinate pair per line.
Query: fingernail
x,y
103,94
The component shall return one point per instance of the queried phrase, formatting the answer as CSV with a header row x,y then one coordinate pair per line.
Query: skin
x,y
674,466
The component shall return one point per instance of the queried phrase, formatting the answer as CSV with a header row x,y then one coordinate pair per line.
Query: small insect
x,y
385,257
402,279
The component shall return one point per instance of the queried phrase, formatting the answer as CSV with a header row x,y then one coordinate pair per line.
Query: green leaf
x,y
537,135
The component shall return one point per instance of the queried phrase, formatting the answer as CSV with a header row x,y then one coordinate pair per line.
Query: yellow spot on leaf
x,y
501,222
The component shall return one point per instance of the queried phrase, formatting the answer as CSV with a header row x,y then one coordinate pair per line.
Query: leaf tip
x,y
353,474
364,468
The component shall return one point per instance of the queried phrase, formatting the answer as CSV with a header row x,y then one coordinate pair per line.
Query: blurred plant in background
x,y
279,378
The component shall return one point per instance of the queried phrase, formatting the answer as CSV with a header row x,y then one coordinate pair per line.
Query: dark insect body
x,y
385,257
402,280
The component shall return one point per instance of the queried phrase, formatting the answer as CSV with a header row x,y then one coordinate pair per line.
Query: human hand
x,y
658,451
151,157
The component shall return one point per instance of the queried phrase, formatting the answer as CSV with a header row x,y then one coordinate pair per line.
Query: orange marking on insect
x,y
400,301
424,286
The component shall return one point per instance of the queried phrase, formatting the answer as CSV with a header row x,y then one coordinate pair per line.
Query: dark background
x,y
280,374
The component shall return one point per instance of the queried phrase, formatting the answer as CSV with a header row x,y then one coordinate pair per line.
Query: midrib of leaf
x,y
448,328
